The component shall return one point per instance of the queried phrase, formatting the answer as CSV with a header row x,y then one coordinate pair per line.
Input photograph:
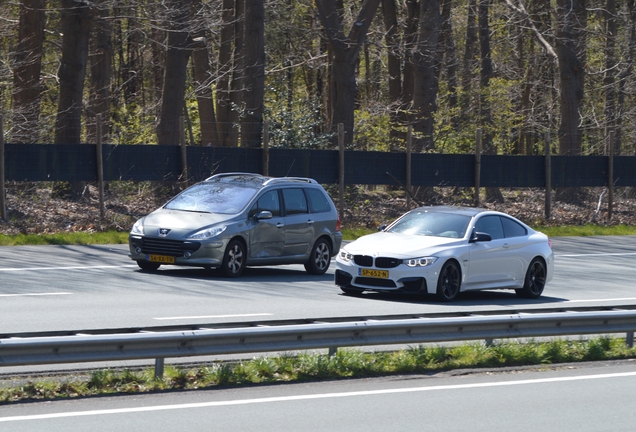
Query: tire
x,y
449,282
234,259
320,258
348,290
535,280
148,266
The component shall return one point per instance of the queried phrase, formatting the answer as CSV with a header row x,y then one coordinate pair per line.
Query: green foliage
x,y
131,124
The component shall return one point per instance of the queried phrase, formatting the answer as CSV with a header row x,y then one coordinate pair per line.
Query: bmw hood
x,y
399,245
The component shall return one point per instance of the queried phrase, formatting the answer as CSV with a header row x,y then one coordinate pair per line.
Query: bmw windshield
x,y
419,222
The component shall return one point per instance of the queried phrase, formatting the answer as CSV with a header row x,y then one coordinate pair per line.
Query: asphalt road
x,y
88,287
583,398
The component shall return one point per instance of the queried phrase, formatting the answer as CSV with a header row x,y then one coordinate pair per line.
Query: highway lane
x,y
86,287
584,397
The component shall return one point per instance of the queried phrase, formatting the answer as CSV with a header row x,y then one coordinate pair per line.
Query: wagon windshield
x,y
216,197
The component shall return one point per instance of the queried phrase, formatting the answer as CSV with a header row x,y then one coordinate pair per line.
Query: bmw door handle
x,y
506,245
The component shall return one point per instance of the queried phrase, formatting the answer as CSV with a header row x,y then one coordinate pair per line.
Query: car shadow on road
x,y
250,274
472,298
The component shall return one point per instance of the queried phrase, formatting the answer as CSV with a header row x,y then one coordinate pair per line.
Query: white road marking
x,y
603,300
35,294
309,397
15,269
213,316
596,254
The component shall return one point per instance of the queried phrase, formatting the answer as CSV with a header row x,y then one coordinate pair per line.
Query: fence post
x,y
341,173
477,166
610,177
409,149
184,158
100,166
265,149
3,204
548,176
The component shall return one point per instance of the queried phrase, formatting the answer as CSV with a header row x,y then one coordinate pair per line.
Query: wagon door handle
x,y
310,222
280,225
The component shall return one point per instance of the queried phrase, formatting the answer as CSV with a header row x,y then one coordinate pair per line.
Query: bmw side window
x,y
512,228
490,225
295,201
317,201
268,202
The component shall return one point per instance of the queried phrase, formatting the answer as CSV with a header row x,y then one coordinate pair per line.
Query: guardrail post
x,y
333,351
159,361
629,340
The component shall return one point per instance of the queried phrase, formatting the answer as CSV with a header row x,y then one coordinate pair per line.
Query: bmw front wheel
x,y
449,282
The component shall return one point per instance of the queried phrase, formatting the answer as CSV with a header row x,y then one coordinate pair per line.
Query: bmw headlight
x,y
138,227
345,256
420,262
207,233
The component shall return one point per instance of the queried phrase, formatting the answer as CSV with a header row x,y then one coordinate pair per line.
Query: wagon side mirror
x,y
480,237
263,215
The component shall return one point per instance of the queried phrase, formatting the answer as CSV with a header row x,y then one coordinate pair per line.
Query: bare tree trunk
x,y
493,194
203,80
570,48
254,76
101,51
450,56
27,88
224,73
175,75
426,82
469,60
630,55
237,84
75,23
609,80
396,102
345,51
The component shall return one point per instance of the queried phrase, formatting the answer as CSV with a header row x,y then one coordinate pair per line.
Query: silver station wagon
x,y
234,220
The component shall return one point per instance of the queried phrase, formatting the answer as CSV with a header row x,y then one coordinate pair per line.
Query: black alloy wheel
x,y
320,258
449,282
234,259
535,280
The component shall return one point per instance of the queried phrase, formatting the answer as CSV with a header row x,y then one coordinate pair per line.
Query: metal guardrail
x,y
37,350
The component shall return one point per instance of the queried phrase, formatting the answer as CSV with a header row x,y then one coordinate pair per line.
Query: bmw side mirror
x,y
263,215
480,237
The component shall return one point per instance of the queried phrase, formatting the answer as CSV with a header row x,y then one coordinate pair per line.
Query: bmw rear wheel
x,y
320,258
234,259
449,282
535,280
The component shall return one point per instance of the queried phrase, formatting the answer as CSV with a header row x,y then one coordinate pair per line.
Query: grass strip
x,y
347,363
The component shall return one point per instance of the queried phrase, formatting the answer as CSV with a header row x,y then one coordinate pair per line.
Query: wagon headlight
x,y
345,256
420,262
207,233
138,227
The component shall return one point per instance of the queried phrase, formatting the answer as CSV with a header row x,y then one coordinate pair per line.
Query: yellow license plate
x,y
164,259
374,273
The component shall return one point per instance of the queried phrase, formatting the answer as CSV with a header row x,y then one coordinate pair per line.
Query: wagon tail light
x,y
338,224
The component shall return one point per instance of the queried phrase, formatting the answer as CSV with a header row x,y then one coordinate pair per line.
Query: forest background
x,y
516,69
